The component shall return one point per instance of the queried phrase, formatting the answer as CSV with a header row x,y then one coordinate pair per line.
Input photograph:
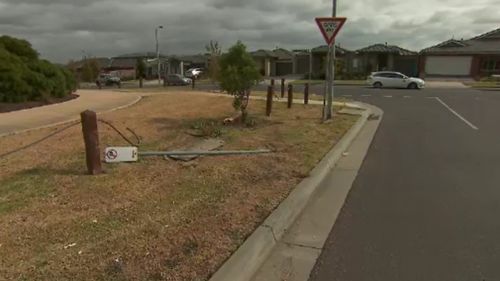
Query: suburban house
x,y
125,65
319,59
277,62
77,66
381,57
473,58
194,61
282,62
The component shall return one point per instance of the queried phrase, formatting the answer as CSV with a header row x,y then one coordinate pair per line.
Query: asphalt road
x,y
426,202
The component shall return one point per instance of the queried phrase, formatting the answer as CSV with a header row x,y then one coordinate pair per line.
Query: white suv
x,y
392,79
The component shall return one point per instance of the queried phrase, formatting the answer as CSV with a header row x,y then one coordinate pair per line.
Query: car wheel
x,y
413,86
377,85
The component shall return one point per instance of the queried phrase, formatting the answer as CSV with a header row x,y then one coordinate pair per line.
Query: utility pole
x,y
158,53
330,72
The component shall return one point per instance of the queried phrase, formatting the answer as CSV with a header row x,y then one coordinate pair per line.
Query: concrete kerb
x,y
249,257
69,120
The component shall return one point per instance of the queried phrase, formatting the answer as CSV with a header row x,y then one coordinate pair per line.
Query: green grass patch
x,y
18,191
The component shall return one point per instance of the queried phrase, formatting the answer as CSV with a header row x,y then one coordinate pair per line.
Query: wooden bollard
x,y
290,95
269,100
306,93
193,82
91,139
272,82
282,87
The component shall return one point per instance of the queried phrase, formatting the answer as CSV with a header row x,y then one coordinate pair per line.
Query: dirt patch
x,y
8,107
155,219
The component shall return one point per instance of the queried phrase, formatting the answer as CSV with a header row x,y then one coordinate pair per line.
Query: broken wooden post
x,y
290,95
306,93
91,139
282,87
269,100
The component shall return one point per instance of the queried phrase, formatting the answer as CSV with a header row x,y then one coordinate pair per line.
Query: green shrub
x,y
24,77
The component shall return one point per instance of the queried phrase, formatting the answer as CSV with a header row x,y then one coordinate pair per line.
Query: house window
x,y
490,65
355,63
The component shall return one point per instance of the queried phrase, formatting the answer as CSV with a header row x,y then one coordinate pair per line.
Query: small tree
x,y
140,69
214,50
238,73
90,70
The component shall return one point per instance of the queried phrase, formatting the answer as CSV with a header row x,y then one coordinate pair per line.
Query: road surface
x,y
426,202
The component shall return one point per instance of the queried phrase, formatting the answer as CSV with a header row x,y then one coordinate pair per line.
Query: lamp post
x,y
158,52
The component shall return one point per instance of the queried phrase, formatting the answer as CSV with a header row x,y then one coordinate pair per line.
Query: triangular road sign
x,y
330,27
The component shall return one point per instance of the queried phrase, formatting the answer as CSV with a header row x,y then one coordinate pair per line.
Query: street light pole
x,y
158,53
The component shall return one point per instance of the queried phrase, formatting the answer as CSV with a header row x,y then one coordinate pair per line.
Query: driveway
x,y
99,101
425,203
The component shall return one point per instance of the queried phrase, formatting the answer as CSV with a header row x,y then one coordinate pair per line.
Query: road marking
x,y
366,95
431,97
406,97
387,96
347,95
456,114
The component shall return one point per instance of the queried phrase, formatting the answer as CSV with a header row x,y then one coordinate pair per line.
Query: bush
x,y
24,77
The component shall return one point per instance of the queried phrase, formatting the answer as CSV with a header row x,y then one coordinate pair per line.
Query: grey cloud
x,y
62,29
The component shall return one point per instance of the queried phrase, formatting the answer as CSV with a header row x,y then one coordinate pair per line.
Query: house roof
x,y
119,62
194,58
263,54
384,48
280,54
324,49
494,34
103,62
141,55
283,54
487,43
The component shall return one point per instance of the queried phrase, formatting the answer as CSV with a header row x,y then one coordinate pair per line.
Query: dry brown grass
x,y
156,219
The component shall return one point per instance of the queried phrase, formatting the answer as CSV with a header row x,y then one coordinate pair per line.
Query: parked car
x,y
177,79
391,79
105,79
194,72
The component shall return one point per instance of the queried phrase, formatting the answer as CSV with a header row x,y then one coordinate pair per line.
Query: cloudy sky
x,y
65,29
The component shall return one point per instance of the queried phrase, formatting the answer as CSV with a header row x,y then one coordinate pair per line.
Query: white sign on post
x,y
329,27
120,154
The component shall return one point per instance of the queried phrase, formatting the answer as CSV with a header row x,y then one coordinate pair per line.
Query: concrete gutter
x,y
247,260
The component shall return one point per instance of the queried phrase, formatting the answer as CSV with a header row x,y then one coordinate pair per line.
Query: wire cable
x,y
40,140
121,134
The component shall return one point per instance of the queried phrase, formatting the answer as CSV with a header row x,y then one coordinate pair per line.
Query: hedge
x,y
25,77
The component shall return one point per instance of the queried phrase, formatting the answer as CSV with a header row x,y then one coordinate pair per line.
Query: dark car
x,y
108,80
177,79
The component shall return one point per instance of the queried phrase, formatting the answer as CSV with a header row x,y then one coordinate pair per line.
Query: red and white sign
x,y
330,27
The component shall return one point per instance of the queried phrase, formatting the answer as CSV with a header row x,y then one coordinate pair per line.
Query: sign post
x,y
329,28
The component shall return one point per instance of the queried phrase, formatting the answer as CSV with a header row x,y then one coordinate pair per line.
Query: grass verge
x,y
155,219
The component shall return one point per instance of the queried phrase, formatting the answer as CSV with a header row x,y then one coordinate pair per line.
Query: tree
x,y
238,73
140,71
24,77
214,50
90,70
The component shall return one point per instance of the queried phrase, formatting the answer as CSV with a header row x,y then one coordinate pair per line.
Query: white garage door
x,y
448,65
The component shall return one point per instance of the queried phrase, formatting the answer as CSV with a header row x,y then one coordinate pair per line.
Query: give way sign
x,y
330,27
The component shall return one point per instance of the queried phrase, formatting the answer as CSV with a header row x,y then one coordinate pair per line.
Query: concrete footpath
x,y
49,115
288,242
295,255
